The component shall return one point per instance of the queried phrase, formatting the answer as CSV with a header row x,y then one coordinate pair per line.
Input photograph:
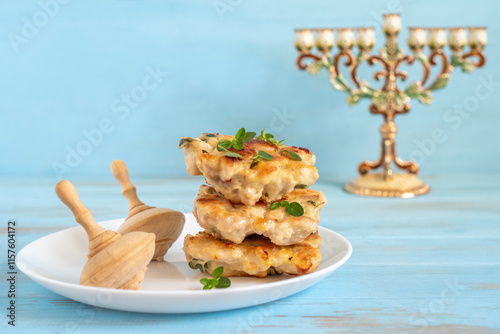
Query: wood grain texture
x,y
425,265
115,260
166,224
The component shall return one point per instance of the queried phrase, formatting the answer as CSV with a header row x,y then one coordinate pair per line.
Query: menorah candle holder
x,y
389,100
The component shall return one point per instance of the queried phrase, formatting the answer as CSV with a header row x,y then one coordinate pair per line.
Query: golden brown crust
x,y
234,222
241,180
255,256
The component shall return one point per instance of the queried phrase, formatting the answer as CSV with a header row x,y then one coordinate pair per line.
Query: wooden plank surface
x,y
424,265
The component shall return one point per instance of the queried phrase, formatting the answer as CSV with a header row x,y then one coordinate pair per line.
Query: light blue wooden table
x,y
426,265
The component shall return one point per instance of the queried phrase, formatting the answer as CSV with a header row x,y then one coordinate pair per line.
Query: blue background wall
x,y
226,70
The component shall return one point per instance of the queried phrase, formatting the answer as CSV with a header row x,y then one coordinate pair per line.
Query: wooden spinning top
x,y
166,224
115,261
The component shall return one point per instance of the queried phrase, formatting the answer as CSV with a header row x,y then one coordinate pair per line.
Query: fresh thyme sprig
x,y
242,137
271,140
293,209
260,155
217,281
237,143
291,154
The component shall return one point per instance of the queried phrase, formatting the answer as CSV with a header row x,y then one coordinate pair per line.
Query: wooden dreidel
x,y
115,260
166,224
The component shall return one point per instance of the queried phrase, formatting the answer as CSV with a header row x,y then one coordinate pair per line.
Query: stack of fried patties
x,y
258,215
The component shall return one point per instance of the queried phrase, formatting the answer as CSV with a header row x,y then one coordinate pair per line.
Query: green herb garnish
x,y
260,155
237,143
292,154
225,145
263,155
217,281
270,139
293,209
242,137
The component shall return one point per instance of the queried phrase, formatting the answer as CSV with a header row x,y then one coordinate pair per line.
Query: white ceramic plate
x,y
55,262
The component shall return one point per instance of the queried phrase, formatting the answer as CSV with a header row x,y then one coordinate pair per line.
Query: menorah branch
x,y
350,61
478,54
302,66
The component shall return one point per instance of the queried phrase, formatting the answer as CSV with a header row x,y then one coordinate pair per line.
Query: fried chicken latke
x,y
242,180
234,222
255,256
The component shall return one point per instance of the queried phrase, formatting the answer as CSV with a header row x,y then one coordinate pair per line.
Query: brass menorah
x,y
389,100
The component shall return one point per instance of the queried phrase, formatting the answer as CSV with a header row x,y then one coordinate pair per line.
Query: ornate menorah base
x,y
397,185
